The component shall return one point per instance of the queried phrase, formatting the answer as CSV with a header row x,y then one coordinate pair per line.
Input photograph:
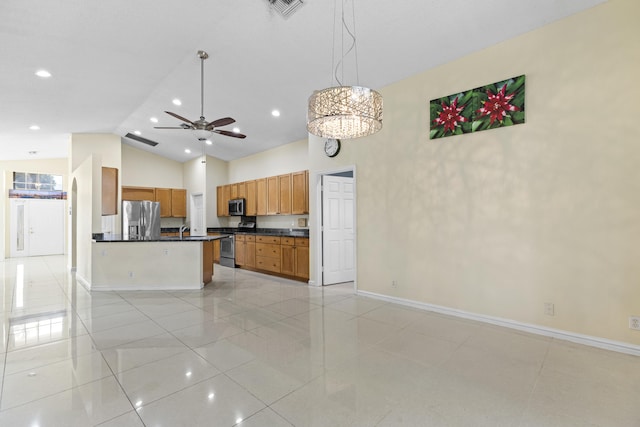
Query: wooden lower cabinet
x,y
245,250
286,256
207,261
295,257
216,248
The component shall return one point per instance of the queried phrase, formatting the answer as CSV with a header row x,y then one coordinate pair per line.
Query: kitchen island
x,y
168,263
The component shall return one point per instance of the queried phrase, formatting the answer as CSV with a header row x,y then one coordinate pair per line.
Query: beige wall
x,y
143,169
217,174
284,159
499,222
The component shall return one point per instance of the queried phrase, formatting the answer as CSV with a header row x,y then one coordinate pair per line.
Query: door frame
x,y
318,247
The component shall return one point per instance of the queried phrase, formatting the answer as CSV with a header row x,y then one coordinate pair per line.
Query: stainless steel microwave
x,y
236,207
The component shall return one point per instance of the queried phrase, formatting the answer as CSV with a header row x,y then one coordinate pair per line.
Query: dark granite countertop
x,y
106,238
287,232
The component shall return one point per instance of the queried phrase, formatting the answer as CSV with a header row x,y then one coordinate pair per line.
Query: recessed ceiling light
x,y
43,73
34,127
137,132
208,142
33,152
186,150
236,130
275,113
154,119
176,101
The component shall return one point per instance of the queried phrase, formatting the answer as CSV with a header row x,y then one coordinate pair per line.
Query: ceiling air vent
x,y
285,7
141,139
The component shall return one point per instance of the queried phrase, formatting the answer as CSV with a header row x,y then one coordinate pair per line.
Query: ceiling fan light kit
x,y
344,112
202,129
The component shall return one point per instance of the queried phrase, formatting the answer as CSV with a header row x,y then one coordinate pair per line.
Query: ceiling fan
x,y
201,127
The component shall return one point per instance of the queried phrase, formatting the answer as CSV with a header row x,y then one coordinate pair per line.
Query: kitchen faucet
x,y
182,229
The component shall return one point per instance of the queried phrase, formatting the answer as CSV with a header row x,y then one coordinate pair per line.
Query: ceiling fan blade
x,y
168,127
231,134
220,122
180,118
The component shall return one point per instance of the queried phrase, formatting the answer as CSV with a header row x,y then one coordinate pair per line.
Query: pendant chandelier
x,y
344,112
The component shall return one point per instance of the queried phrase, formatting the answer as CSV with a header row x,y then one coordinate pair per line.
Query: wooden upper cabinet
x,y
163,195
173,202
251,197
138,193
233,191
261,196
273,196
299,193
178,203
242,191
109,191
284,184
223,195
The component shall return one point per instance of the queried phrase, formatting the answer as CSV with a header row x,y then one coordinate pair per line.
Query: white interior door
x,y
338,233
197,216
37,227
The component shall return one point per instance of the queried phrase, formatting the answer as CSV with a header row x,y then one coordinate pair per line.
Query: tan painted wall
x,y
499,222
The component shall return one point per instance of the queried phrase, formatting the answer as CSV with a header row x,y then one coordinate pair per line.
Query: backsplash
x,y
274,221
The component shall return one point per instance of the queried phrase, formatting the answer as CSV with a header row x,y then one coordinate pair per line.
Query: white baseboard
x,y
83,282
592,341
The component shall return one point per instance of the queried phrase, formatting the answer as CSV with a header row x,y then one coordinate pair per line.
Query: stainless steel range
x,y
228,245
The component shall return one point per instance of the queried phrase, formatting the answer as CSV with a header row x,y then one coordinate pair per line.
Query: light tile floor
x,y
254,350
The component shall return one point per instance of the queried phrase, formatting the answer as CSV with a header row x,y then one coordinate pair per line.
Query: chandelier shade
x,y
344,112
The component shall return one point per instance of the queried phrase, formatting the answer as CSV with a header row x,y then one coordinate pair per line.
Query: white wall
x,y
499,222
85,175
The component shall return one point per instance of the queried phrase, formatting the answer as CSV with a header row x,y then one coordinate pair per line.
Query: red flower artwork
x,y
450,116
497,105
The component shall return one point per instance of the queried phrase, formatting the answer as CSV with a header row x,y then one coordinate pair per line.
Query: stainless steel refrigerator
x,y
140,220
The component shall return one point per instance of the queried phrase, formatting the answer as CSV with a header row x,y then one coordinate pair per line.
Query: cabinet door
x,y
109,191
242,190
273,196
284,182
251,207
219,203
240,252
299,193
163,195
223,192
233,191
250,254
261,196
138,193
207,261
302,262
287,262
178,203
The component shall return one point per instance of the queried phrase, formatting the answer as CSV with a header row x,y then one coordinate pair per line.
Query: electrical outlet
x,y
634,323
394,283
549,309
166,251
131,274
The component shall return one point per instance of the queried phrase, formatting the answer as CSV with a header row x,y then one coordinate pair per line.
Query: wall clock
x,y
332,147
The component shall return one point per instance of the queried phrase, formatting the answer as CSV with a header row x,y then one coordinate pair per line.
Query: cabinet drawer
x,y
267,263
267,250
240,238
302,241
290,241
268,239
250,238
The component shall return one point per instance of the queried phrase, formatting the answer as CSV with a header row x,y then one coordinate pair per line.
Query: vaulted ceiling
x,y
115,64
